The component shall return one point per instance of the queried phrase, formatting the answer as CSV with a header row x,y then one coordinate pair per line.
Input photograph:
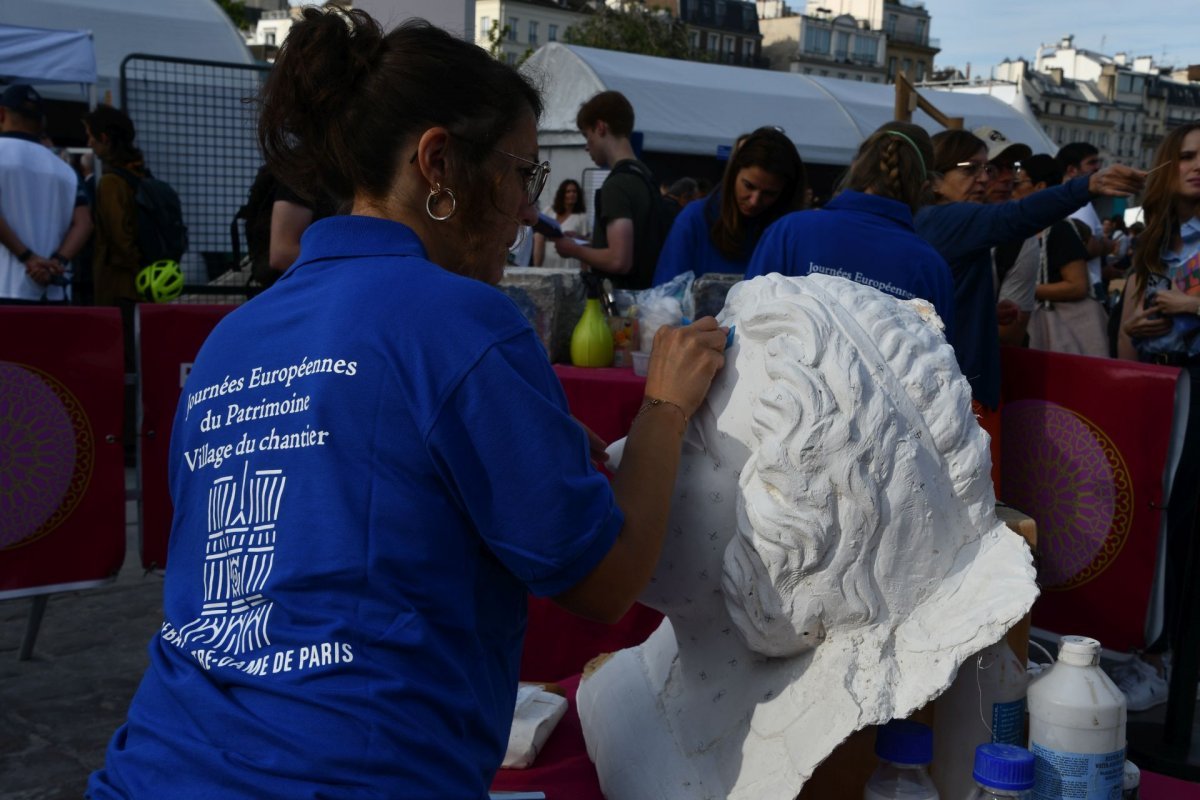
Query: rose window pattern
x,y
1063,471
46,454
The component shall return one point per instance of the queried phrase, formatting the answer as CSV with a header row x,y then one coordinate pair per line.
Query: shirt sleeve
x,y
519,467
616,199
959,229
679,251
1020,282
1063,246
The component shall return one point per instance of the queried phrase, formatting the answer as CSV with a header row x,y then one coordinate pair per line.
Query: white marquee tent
x,y
196,29
41,55
688,107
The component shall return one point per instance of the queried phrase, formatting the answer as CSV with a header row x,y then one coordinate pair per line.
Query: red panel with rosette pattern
x,y
1085,442
62,483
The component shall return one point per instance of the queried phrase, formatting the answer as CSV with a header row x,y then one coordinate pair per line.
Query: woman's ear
x,y
432,155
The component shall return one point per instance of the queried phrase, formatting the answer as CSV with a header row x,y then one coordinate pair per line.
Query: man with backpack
x,y
138,222
631,221
138,218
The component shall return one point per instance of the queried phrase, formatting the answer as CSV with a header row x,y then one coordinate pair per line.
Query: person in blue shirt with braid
x,y
865,233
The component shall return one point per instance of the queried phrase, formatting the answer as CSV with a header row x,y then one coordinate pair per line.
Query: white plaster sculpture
x,y
833,553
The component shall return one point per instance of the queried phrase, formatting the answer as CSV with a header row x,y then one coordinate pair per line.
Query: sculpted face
x,y
832,554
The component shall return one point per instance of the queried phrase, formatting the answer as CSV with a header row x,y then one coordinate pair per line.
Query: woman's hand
x,y
1117,181
684,362
1145,323
1173,301
1007,312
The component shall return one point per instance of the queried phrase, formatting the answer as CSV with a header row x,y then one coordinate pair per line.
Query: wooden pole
x,y
908,99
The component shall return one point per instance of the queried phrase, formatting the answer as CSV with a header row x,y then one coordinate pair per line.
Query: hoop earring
x,y
435,192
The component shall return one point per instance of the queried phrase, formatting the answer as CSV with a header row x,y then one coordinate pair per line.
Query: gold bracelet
x,y
652,402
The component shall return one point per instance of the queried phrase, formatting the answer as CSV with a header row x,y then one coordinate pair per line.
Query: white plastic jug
x,y
1077,726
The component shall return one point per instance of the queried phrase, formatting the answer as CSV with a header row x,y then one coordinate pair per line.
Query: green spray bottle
x,y
592,342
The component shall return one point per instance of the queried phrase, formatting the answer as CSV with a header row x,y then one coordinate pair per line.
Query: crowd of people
x,y
376,648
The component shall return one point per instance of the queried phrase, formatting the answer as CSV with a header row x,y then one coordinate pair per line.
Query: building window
x,y
864,49
921,31
485,26
892,68
730,49
906,67
510,59
920,70
841,50
714,44
889,25
533,33
512,28
551,33
694,40
748,51
1093,112
816,40
720,10
270,37
858,78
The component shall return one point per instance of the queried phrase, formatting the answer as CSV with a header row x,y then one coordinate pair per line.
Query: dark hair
x,y
1118,221
611,108
894,161
1082,228
1158,204
953,147
1073,154
344,97
104,120
772,151
684,187
1042,168
560,198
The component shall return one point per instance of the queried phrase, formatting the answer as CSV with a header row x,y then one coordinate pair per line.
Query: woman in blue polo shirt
x,y
763,181
866,233
373,463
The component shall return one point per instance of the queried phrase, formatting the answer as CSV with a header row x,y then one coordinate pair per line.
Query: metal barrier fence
x,y
195,124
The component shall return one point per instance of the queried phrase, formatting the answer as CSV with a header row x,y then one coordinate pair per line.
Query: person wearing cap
x,y
1003,154
44,217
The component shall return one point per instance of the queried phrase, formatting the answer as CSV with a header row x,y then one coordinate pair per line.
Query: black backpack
x,y
256,217
161,232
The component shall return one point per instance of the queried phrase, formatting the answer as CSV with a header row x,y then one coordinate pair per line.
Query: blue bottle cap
x,y
1004,766
903,741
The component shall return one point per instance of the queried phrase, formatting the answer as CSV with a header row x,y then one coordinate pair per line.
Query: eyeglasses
x,y
536,176
973,168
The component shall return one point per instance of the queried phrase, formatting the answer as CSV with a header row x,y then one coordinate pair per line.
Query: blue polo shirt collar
x,y
349,236
850,200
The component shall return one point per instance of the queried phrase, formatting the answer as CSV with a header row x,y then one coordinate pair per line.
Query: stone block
x,y
552,300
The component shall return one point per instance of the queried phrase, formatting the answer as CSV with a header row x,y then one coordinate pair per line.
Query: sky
x,y
985,33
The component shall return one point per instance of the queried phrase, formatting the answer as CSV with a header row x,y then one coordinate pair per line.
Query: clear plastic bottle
x,y
1077,726
906,748
1002,772
985,703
